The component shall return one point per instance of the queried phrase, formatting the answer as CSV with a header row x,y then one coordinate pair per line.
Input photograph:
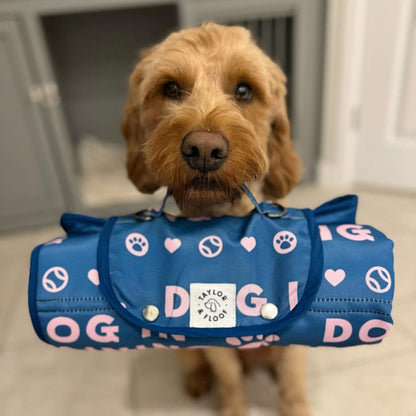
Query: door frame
x,y
344,51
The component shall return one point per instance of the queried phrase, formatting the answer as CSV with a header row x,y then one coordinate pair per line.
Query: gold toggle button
x,y
150,313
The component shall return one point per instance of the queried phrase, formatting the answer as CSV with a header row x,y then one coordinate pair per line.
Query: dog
x,y
206,113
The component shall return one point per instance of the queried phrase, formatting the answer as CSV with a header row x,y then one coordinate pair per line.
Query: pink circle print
x,y
378,279
55,279
210,246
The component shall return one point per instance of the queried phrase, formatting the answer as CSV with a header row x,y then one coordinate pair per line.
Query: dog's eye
x,y
243,92
172,90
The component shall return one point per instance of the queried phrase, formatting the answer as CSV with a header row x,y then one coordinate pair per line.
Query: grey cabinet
x,y
84,51
30,190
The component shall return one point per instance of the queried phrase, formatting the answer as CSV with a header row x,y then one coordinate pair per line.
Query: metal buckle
x,y
280,214
142,216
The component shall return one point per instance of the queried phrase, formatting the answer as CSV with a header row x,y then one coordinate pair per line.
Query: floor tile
x,y
20,332
160,390
43,380
324,359
261,389
404,314
382,387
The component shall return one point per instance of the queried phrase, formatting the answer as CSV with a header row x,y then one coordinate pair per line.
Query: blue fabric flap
x,y
224,277
81,224
341,210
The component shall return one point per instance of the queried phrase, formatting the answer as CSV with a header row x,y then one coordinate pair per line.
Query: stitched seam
x,y
348,311
352,300
79,299
78,310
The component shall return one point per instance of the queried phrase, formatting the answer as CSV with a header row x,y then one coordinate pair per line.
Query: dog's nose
x,y
204,151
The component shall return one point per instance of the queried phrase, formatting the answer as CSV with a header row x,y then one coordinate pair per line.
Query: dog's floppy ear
x,y
137,170
285,167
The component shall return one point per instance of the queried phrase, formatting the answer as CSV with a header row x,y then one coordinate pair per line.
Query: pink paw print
x,y
251,342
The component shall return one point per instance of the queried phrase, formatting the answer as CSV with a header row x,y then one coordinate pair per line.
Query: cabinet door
x,y
29,186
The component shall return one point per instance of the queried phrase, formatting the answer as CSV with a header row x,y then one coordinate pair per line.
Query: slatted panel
x,y
274,36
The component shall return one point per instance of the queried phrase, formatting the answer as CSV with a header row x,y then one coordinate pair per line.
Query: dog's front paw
x,y
199,381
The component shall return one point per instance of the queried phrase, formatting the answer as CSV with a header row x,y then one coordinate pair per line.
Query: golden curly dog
x,y
206,113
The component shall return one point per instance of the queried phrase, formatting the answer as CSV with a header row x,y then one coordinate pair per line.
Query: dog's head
x,y
206,113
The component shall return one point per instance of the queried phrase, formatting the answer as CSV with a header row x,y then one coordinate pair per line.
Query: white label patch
x,y
212,305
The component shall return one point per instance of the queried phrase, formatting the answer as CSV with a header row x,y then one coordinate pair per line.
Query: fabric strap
x,y
148,214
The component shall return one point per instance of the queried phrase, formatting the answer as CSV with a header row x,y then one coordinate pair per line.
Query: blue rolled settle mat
x,y
275,277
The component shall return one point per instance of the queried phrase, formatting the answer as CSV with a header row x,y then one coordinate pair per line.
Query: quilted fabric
x,y
270,278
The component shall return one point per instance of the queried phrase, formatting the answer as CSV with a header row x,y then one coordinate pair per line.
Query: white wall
x,y
369,114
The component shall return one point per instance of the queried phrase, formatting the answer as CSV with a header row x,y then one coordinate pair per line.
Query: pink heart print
x,y
172,244
335,277
93,277
248,243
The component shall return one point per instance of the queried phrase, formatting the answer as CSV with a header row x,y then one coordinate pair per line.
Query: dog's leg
x,y
289,365
228,371
197,371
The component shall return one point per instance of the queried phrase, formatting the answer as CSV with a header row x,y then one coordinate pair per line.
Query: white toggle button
x,y
269,311
150,313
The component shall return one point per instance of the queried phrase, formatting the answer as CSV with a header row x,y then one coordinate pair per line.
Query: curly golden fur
x,y
206,64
